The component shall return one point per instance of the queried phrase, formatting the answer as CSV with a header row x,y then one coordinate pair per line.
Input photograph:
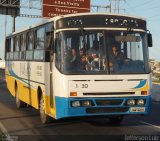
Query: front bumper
x,y
115,106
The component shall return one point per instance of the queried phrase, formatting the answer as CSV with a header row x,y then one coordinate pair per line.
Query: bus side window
x,y
49,40
49,46
29,45
17,47
39,38
11,49
23,46
49,36
39,44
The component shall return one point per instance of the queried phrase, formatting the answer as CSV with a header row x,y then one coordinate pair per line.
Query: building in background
x,y
155,67
2,64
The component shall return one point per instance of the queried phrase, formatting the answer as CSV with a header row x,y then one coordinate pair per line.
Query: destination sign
x,y
53,8
101,21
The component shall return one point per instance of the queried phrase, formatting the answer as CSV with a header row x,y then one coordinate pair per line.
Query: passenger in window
x,y
89,56
116,59
68,57
81,52
93,50
82,59
74,59
95,64
83,63
95,47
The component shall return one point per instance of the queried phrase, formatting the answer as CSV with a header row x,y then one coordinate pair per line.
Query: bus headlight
x,y
140,102
86,103
81,103
76,103
131,102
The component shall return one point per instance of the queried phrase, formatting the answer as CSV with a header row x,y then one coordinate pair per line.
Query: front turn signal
x,y
73,93
144,92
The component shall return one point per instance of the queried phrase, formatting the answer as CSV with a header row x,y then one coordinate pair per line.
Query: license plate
x,y
137,109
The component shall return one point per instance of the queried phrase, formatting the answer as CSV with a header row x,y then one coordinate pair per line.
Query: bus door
x,y
50,58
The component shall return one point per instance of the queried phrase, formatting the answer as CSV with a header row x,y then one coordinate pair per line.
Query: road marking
x,y
155,126
5,134
4,131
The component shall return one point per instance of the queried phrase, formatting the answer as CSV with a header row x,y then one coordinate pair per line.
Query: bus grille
x,y
108,102
107,110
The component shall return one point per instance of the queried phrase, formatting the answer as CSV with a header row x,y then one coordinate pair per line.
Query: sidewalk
x,y
155,92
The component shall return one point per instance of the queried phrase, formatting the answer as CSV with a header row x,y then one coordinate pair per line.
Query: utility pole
x,y
116,6
5,24
13,23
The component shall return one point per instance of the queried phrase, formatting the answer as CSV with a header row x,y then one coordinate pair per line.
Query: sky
x,y
148,9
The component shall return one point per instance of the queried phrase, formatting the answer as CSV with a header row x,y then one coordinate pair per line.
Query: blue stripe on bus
x,y
141,84
64,109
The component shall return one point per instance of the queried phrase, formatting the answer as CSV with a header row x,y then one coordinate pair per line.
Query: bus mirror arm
x,y
51,56
149,39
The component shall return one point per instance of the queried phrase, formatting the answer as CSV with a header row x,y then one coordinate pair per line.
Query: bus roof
x,y
114,14
70,15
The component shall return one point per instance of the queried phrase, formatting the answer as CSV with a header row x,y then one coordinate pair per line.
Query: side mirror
x,y
149,39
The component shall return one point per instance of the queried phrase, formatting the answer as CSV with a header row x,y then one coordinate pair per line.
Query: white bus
x,y
65,67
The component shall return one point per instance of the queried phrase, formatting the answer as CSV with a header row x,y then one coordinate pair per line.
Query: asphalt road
x,y
25,124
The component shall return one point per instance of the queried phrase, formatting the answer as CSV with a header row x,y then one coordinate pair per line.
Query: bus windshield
x,y
102,52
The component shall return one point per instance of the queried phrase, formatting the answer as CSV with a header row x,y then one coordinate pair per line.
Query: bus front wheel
x,y
44,118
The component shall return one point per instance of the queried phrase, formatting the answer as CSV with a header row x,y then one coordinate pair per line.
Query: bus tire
x,y
44,118
19,103
116,120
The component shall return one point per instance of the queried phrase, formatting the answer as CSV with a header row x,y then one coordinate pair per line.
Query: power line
x,y
99,8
